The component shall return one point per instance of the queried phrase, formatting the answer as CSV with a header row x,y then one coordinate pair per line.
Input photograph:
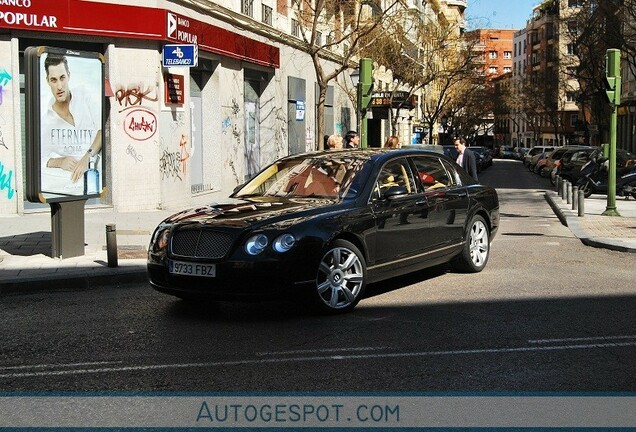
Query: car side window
x,y
432,174
394,173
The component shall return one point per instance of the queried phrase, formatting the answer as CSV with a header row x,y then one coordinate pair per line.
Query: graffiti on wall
x,y
6,174
183,143
133,96
230,126
130,150
5,78
140,124
170,165
2,143
6,179
173,164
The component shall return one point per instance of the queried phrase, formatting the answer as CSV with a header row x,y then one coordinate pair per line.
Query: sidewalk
x,y
594,229
26,265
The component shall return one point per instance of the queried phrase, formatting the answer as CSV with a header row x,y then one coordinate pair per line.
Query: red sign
x,y
136,22
174,89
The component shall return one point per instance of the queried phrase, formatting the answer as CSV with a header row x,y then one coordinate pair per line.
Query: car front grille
x,y
201,244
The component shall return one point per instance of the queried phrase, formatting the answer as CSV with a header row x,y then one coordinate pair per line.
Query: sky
x,y
500,14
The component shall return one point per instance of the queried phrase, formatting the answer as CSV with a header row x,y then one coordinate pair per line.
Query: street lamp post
x,y
613,83
362,78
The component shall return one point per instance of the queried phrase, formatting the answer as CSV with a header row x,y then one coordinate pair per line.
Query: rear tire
x,y
476,250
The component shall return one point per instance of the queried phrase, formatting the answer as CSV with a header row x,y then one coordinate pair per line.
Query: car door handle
x,y
421,202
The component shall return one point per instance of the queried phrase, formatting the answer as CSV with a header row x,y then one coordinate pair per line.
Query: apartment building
x,y
550,115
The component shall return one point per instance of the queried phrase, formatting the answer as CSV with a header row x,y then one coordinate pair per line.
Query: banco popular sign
x,y
22,14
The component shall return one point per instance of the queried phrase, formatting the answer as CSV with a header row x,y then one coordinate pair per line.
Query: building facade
x,y
250,99
545,56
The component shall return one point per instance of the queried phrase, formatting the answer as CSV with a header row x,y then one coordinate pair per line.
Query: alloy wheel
x,y
340,278
479,244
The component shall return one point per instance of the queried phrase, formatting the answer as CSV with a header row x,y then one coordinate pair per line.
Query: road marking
x,y
64,365
321,351
142,368
581,339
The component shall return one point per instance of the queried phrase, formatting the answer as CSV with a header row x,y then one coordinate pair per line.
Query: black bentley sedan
x,y
326,224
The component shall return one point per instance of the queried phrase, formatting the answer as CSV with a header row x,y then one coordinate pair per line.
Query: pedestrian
x,y
352,139
334,142
466,158
392,142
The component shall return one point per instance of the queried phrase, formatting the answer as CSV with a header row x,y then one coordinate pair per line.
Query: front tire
x,y
476,250
586,187
340,279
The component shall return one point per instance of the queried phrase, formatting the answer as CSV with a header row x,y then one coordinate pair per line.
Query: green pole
x,y
613,76
365,88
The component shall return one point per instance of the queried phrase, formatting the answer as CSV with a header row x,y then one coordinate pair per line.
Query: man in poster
x,y
71,130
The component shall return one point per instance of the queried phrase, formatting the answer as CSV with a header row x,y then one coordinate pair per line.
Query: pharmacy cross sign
x,y
180,55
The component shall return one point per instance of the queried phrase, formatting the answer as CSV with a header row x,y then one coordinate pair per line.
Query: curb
x,y
73,283
571,222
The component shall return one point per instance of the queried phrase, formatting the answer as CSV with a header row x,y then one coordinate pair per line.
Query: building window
x,y
267,14
571,49
507,69
329,42
247,7
492,69
507,54
575,3
574,120
492,54
570,96
295,28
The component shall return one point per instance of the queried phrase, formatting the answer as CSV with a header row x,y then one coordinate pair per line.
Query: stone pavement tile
x,y
608,226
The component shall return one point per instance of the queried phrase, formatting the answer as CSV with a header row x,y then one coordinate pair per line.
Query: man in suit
x,y
466,158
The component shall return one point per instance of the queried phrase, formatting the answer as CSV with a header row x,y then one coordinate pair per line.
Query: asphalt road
x,y
547,314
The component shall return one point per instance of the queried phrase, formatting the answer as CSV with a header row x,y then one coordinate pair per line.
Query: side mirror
x,y
238,188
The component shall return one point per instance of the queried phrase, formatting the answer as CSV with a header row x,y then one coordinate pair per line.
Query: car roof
x,y
368,153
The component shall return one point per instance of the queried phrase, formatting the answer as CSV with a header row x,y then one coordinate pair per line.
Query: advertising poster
x,y
70,115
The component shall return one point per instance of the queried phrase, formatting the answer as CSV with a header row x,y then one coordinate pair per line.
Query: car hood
x,y
239,213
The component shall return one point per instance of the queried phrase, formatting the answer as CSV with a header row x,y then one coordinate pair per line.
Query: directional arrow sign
x,y
180,55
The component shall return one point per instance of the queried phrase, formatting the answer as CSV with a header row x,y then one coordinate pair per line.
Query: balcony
x,y
459,3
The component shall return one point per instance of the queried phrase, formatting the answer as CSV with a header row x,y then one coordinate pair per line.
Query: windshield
x,y
319,176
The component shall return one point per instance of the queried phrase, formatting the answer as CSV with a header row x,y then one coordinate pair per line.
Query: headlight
x,y
160,240
256,244
284,242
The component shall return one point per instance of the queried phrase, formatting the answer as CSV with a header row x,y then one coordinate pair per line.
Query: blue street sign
x,y
180,55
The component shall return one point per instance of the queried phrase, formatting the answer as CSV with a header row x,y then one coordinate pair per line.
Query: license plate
x,y
191,269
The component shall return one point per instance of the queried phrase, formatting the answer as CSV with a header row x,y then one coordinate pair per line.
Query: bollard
x,y
564,188
575,200
560,188
111,245
581,203
568,193
558,182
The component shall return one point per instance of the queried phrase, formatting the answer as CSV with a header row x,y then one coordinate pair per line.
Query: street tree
x,y
334,33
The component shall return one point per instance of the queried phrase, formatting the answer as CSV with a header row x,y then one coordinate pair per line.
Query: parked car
x,y
484,153
506,152
570,164
520,152
536,159
326,224
533,152
553,157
